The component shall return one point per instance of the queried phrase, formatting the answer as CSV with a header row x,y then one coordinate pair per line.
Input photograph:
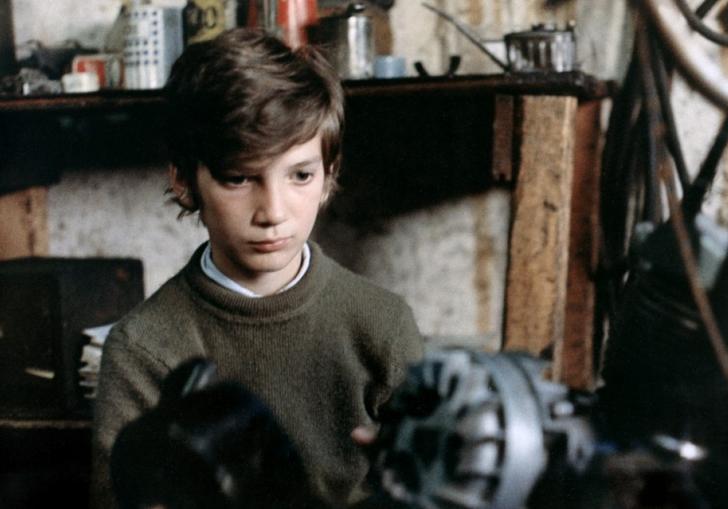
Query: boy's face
x,y
258,218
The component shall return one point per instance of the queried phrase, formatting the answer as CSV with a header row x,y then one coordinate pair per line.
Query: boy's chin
x,y
267,263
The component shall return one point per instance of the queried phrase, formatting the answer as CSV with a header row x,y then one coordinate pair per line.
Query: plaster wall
x,y
429,256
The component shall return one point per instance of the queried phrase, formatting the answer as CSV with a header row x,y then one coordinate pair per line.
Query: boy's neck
x,y
263,284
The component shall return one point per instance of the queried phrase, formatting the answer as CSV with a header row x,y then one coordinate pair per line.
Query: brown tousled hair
x,y
246,97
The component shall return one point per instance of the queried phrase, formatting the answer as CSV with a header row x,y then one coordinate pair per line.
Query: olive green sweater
x,y
324,355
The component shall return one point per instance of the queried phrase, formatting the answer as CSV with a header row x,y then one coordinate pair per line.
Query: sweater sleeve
x,y
410,345
406,347
129,383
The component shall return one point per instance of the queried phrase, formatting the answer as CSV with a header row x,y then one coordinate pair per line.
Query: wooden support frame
x,y
549,306
24,227
577,364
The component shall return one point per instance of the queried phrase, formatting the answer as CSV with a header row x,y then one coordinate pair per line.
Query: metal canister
x,y
544,48
349,40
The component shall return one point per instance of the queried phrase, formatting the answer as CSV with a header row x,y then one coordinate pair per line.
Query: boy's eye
x,y
235,179
301,176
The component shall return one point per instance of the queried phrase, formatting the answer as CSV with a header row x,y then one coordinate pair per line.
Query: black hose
x,y
671,135
654,132
704,8
622,132
693,198
697,24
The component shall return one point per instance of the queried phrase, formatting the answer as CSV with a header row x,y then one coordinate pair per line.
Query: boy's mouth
x,y
268,246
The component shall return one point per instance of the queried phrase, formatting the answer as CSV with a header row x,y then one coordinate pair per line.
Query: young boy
x,y
254,138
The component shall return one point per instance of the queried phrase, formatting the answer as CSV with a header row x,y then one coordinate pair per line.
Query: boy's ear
x,y
328,188
179,186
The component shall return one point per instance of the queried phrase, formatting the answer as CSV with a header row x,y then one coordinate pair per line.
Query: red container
x,y
294,18
108,67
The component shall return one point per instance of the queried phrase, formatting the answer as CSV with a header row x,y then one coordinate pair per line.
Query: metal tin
x,y
542,49
350,42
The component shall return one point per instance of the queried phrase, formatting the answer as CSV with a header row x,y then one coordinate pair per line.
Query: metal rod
x,y
469,33
671,135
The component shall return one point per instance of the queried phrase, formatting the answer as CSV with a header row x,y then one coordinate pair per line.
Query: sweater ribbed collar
x,y
232,306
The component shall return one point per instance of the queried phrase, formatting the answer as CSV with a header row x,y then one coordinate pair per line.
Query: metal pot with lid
x,y
543,48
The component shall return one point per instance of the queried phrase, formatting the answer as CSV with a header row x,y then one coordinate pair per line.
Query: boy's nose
x,y
270,208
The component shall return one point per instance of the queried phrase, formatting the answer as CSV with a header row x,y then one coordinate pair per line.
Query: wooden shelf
x,y
572,83
44,424
578,84
104,100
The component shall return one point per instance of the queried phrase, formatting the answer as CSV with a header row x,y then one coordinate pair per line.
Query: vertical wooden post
x,y
577,353
539,239
24,224
503,138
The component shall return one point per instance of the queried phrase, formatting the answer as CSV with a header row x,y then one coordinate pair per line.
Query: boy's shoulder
x,y
359,287
385,325
356,295
158,316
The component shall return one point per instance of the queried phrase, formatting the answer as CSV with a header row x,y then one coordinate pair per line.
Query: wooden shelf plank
x,y
64,103
44,424
575,84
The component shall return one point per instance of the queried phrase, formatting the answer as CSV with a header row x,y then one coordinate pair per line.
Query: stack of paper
x,y
91,358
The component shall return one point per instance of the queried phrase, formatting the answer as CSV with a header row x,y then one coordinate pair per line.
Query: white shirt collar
x,y
211,271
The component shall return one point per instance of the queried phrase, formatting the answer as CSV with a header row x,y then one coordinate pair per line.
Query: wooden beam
x,y
24,225
577,369
539,238
503,138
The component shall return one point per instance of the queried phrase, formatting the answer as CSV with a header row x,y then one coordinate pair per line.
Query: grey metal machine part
x,y
471,430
